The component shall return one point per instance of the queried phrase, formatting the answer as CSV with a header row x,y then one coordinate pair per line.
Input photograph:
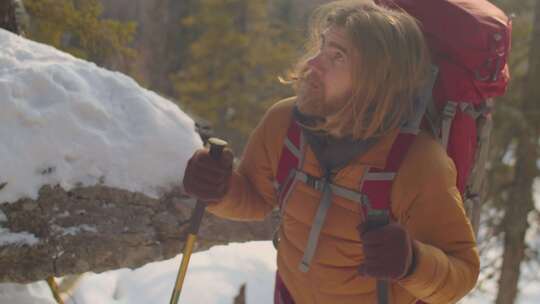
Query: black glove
x,y
389,253
206,178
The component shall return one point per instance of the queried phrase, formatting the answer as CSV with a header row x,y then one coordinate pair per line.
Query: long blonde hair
x,y
393,65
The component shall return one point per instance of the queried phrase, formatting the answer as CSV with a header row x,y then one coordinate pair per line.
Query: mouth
x,y
313,83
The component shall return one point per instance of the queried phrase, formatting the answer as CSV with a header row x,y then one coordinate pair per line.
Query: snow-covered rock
x,y
67,121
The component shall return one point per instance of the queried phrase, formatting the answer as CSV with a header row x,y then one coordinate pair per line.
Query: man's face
x,y
328,81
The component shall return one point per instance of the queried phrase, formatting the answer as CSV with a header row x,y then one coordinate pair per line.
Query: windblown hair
x,y
392,65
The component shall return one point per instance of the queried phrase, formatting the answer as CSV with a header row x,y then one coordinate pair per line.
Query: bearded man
x,y
356,90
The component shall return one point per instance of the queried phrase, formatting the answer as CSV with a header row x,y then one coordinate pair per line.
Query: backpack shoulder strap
x,y
377,183
376,187
292,157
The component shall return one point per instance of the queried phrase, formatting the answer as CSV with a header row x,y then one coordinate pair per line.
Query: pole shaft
x,y
54,289
188,249
216,148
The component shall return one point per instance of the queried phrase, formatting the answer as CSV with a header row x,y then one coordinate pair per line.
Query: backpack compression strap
x,y
376,187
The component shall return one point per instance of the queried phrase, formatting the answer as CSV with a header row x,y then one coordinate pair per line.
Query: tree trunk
x,y
7,16
520,200
99,228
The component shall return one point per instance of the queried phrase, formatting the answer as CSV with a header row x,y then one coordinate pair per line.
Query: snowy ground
x,y
69,122
214,277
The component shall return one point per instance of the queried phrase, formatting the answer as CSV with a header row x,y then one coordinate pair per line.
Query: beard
x,y
311,97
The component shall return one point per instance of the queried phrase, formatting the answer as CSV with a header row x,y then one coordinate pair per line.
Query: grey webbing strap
x,y
314,182
449,112
282,207
348,194
289,180
318,184
300,154
469,109
318,222
293,149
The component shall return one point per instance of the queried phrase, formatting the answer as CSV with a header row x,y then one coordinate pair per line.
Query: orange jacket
x,y
424,198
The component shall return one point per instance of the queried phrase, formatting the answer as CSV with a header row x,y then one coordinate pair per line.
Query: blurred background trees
x,y
75,26
509,240
232,64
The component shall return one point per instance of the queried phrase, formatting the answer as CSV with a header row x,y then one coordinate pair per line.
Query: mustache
x,y
310,78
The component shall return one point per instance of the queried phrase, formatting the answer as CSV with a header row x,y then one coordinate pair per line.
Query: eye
x,y
338,57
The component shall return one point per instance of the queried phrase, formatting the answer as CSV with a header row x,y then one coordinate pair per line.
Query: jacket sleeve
x,y
447,262
251,195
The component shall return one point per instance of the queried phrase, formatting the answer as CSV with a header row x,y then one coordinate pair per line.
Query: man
x,y
355,89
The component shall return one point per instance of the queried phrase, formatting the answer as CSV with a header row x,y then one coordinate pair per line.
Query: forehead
x,y
335,36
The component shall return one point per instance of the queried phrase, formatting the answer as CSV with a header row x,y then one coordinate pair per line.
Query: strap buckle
x,y
315,183
375,218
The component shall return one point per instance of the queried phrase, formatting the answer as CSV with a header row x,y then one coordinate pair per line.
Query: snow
x,y
214,277
73,230
20,238
66,121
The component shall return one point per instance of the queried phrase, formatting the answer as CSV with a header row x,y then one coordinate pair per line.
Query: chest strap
x,y
318,184
316,226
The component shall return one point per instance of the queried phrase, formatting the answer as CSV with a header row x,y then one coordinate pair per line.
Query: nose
x,y
316,64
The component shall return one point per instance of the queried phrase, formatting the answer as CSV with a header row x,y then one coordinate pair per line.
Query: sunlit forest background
x,y
220,60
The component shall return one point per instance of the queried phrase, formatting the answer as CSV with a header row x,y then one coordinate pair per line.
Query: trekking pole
x,y
54,289
216,147
377,218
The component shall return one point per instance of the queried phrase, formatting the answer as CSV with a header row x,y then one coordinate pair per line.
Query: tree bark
x,y
8,20
520,200
100,228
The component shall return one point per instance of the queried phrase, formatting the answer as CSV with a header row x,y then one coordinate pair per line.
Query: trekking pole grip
x,y
216,149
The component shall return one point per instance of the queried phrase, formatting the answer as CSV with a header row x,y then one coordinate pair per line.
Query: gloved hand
x,y
206,178
389,252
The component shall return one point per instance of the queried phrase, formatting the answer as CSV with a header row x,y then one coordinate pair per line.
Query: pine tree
x,y
230,75
75,26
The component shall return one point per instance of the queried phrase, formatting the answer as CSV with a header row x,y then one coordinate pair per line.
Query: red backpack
x,y
470,43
